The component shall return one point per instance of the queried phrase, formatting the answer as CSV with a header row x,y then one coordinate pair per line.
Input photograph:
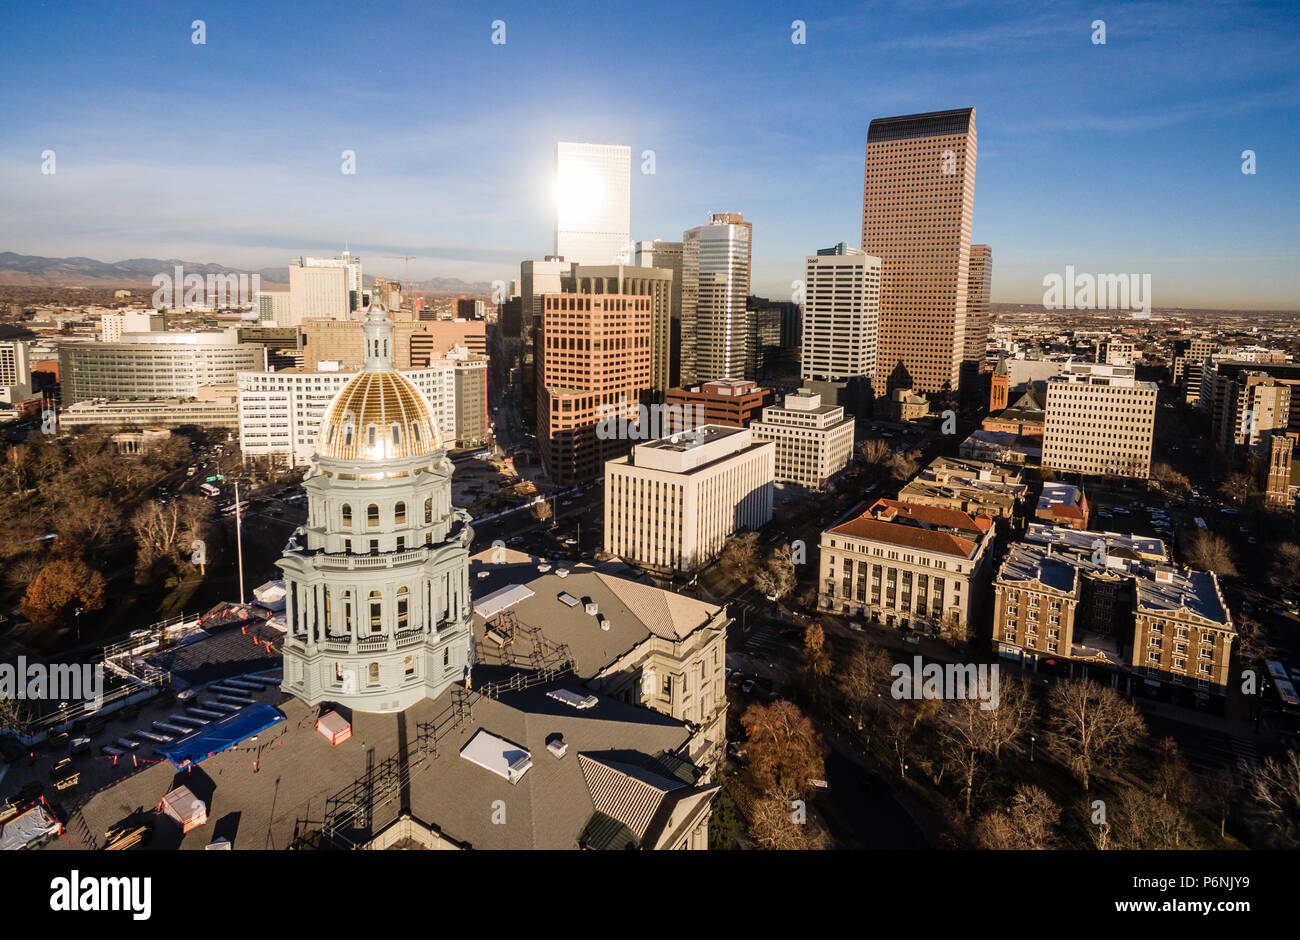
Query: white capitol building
x,y
378,606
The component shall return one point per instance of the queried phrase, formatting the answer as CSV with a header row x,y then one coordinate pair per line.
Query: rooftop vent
x,y
506,760
561,572
600,619
573,699
591,608
544,567
557,746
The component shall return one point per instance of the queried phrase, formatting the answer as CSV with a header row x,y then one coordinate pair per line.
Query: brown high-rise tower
x,y
918,199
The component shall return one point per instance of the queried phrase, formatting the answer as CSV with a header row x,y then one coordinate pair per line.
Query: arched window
x,y
428,511
399,514
347,514
376,613
415,432
408,665
372,435
403,597
348,429
372,516
397,434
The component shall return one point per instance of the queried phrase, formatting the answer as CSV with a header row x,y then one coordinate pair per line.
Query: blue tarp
x,y
220,735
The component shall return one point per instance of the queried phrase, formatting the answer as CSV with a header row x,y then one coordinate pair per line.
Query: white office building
x,y
592,202
841,314
672,503
323,288
813,441
1099,420
280,412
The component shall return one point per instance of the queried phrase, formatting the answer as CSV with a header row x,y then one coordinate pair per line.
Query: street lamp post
x,y
1032,739
77,614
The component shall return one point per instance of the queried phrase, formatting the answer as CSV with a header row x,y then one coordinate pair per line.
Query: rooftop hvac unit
x,y
558,747
562,572
544,567
590,608
600,619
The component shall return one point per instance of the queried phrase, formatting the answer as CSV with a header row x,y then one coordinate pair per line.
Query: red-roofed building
x,y
907,565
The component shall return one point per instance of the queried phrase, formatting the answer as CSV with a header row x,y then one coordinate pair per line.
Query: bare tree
x,y
1216,796
772,825
1170,478
1237,487
1287,565
1274,787
1028,823
1093,723
166,533
1210,551
740,554
865,676
15,717
964,733
1013,715
1144,821
1170,777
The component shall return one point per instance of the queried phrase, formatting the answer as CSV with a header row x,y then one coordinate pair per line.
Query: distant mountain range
x,y
33,271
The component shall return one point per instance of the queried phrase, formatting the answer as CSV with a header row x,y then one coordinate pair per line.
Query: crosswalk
x,y
764,640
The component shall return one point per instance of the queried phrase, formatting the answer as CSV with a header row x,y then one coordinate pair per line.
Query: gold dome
x,y
378,416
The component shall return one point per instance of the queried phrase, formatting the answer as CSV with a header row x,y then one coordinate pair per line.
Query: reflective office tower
x,y
979,283
668,256
592,202
378,602
716,262
918,199
841,315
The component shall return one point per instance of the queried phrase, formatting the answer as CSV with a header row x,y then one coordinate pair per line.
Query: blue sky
x,y
1123,157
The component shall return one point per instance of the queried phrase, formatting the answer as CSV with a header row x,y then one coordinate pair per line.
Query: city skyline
x,y
1163,120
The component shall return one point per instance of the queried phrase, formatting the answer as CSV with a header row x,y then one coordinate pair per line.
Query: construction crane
x,y
407,259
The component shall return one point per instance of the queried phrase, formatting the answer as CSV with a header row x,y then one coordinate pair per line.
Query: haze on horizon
x,y
1123,157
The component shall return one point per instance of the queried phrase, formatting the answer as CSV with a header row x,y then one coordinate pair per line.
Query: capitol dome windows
x,y
376,613
399,514
415,432
347,515
403,606
372,516
428,511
